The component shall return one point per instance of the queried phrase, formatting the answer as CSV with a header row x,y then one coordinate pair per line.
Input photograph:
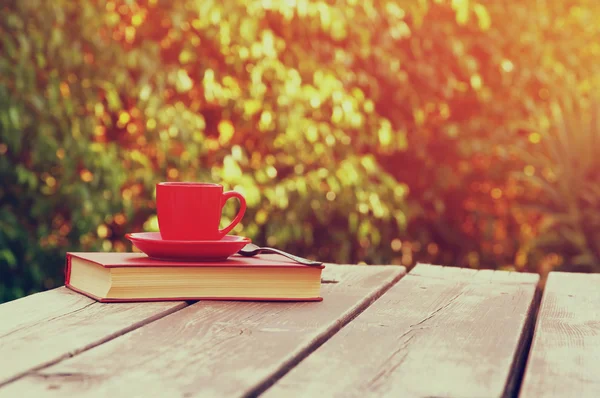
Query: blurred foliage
x,y
568,186
373,131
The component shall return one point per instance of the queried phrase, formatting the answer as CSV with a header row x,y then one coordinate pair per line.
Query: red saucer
x,y
154,246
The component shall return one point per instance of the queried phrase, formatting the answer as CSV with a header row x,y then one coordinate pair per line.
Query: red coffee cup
x,y
192,210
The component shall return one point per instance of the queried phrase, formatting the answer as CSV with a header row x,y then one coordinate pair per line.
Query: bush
x,y
568,186
381,132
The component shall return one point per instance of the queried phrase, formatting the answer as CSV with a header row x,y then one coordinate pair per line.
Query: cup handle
x,y
240,214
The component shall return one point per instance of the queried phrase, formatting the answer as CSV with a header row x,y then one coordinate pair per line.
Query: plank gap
x,y
518,369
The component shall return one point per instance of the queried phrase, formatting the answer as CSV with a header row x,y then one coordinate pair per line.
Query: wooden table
x,y
435,332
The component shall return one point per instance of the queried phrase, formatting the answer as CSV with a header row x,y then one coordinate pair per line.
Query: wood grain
x,y
44,328
38,308
439,332
213,348
564,360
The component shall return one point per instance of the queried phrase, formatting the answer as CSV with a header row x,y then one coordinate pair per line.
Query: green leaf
x,y
9,258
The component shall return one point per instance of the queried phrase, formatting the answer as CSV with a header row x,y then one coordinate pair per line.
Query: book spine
x,y
68,270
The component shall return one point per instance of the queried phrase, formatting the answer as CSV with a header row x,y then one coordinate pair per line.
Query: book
x,y
115,277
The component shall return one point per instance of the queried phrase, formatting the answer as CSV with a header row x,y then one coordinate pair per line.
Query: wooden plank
x,y
439,332
564,360
38,308
44,328
213,348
